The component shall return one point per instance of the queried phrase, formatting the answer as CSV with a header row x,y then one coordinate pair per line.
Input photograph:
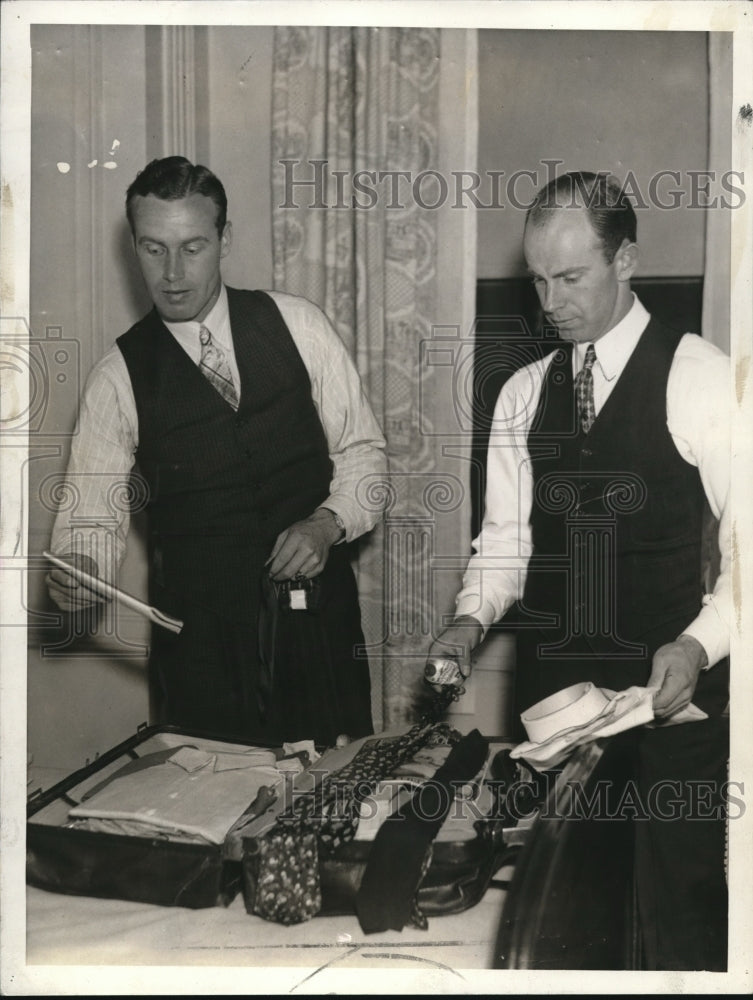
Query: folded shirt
x,y
192,792
134,828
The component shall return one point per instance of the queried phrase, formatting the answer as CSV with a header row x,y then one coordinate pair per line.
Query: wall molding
x,y
176,90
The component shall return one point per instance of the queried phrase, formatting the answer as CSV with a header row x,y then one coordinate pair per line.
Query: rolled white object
x,y
105,589
573,706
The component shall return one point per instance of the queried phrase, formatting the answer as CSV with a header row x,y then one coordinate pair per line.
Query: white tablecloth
x,y
68,930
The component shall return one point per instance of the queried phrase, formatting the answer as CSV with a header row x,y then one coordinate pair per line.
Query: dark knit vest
x,y
223,484
616,522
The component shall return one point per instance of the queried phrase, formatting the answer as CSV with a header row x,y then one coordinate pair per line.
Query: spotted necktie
x,y
584,391
281,868
214,366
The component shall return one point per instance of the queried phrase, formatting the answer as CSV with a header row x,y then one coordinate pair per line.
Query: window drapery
x,y
373,137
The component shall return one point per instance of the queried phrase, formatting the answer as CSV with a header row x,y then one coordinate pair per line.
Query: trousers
x,y
680,779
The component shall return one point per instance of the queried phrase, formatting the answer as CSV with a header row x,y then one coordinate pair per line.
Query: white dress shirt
x,y
107,434
698,420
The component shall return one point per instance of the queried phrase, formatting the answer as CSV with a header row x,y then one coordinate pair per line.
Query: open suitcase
x,y
151,868
83,855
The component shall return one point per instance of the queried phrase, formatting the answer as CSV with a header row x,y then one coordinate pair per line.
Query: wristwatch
x,y
338,521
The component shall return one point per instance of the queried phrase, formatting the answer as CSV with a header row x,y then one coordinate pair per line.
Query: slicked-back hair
x,y
173,178
610,212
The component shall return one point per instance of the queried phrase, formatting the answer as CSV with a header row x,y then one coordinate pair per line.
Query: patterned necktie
x,y
214,366
584,391
282,880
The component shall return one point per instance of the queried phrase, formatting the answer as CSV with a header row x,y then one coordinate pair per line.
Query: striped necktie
x,y
584,391
214,366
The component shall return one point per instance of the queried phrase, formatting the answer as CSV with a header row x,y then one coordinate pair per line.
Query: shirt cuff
x,y
357,519
483,611
339,521
711,631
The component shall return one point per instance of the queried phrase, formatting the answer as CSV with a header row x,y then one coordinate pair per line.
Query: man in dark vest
x,y
599,460
246,422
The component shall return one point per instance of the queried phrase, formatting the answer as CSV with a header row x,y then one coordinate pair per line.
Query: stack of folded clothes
x,y
183,793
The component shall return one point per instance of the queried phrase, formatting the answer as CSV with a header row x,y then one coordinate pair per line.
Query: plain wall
x,y
601,100
240,121
88,92
90,89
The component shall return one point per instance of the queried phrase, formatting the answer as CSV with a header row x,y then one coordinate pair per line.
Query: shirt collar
x,y
217,321
615,347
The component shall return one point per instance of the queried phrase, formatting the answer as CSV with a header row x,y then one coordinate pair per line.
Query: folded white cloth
x,y
193,759
582,713
200,801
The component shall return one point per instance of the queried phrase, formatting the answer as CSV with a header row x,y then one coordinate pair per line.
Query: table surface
x,y
63,930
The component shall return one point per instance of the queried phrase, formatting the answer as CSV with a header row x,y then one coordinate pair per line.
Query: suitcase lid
x,y
38,797
262,812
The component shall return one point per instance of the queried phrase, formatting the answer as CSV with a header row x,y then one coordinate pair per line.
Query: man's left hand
x,y
674,672
302,549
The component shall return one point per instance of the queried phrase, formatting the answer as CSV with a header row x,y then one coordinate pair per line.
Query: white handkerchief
x,y
622,710
691,713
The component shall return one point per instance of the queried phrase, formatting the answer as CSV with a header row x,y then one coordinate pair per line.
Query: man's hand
x,y
458,641
302,549
674,672
69,594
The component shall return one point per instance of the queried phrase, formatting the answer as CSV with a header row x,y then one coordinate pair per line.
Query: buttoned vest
x,y
223,484
617,513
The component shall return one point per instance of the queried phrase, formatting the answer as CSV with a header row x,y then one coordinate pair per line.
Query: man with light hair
x,y
600,459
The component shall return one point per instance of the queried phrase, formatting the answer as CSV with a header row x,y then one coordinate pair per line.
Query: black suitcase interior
x,y
150,869
67,858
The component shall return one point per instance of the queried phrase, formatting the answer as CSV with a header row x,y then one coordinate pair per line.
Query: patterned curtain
x,y
370,128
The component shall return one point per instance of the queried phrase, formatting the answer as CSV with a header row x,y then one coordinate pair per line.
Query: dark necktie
x,y
584,391
214,366
402,850
283,863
